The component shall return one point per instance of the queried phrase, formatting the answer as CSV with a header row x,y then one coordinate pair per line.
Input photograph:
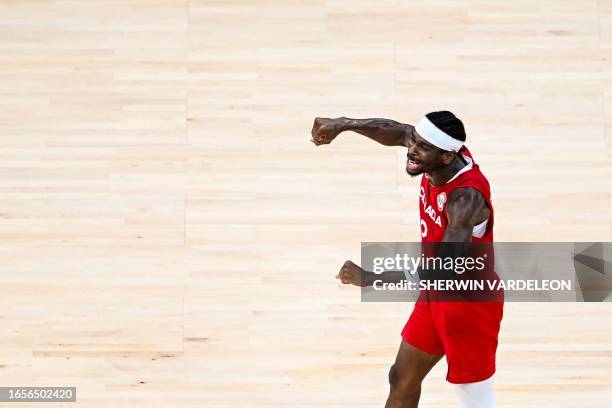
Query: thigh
x,y
413,363
469,331
421,330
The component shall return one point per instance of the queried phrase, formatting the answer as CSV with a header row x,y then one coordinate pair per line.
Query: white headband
x,y
436,137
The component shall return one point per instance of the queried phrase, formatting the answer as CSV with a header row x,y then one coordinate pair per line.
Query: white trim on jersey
x,y
481,229
468,167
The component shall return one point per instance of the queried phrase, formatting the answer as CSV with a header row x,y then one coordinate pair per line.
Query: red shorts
x,y
465,331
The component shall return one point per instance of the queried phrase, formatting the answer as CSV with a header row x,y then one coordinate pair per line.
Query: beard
x,y
415,173
414,167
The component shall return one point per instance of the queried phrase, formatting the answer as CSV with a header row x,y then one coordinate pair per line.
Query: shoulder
x,y
474,179
466,206
465,195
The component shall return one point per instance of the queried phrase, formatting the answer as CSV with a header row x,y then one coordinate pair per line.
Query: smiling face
x,y
423,157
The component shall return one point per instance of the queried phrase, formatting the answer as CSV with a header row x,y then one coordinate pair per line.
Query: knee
x,y
403,382
393,376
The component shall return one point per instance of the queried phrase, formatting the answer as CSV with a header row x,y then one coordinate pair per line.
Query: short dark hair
x,y
448,123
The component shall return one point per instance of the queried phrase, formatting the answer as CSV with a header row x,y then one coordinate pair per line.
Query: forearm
x,y
455,244
384,131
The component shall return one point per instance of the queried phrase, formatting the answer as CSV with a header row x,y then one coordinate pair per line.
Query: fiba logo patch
x,y
441,200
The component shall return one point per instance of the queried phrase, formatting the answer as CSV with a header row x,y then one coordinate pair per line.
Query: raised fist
x,y
324,130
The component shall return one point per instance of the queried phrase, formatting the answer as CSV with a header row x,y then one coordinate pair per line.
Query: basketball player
x,y
455,207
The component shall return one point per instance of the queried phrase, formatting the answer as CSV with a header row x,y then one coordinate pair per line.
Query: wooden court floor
x,y
169,236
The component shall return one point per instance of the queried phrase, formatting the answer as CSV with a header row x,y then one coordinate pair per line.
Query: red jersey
x,y
434,220
433,199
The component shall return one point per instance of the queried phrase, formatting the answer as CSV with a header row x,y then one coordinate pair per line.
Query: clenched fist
x,y
324,130
352,274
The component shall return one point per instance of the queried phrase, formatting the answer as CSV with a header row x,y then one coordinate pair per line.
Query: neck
x,y
443,174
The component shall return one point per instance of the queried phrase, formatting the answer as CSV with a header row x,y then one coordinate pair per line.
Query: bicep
x,y
466,208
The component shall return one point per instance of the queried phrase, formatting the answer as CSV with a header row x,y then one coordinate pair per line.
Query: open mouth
x,y
413,165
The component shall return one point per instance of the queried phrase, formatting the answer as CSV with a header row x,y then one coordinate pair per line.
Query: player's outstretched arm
x,y
384,131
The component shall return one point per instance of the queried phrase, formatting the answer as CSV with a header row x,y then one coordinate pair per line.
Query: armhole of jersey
x,y
481,229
